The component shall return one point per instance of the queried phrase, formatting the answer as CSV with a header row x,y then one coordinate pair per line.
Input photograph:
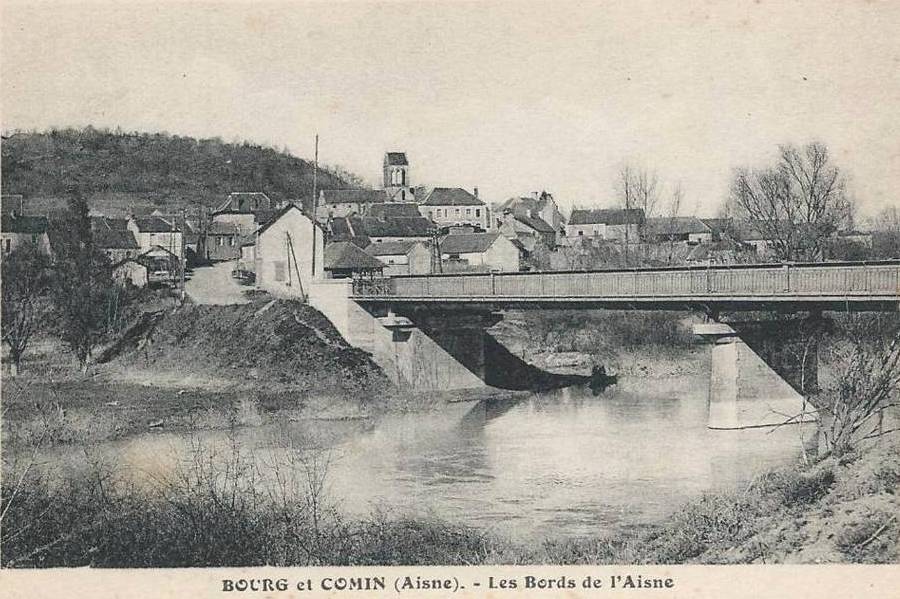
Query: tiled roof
x,y
394,209
153,224
287,208
352,196
468,243
24,224
232,203
218,227
113,239
535,222
675,225
390,248
343,255
367,226
451,196
395,159
607,216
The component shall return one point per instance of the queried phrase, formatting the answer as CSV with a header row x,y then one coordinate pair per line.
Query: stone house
x,y
608,224
17,230
402,257
155,231
454,206
222,241
289,253
479,251
116,244
339,203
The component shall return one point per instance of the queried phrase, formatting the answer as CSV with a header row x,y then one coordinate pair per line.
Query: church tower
x,y
396,177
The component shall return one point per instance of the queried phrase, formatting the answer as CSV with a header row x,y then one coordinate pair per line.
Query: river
x,y
565,463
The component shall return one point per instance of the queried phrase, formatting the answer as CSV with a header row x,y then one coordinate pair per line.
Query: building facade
x,y
454,206
289,253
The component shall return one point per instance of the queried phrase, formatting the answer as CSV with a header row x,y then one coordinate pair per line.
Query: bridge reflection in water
x,y
820,286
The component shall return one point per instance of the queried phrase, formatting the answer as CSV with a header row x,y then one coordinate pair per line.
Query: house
x,y
118,245
402,257
539,205
289,253
223,241
163,266
530,231
377,230
155,231
687,229
245,209
344,260
610,224
450,206
479,251
17,230
130,272
339,203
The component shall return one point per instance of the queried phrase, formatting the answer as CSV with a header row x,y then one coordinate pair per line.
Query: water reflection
x,y
558,463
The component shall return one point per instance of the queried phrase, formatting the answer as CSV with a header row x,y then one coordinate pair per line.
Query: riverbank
x,y
831,512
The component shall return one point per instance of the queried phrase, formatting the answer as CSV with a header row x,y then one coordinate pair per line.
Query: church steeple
x,y
396,177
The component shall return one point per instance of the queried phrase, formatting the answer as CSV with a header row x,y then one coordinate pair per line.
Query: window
x,y
457,212
231,241
34,239
431,214
220,241
581,233
478,213
468,212
8,245
280,268
402,195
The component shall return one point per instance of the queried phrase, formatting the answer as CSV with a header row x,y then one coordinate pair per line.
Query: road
x,y
214,285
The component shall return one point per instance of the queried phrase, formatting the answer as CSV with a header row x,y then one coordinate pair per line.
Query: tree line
x,y
73,292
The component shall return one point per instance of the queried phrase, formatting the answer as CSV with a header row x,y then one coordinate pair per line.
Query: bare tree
x,y
797,204
24,290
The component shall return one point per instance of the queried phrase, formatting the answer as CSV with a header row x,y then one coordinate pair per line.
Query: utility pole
x,y
183,253
315,204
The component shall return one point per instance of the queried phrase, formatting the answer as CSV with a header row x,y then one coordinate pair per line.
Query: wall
x,y
245,221
447,215
14,240
222,247
409,357
279,262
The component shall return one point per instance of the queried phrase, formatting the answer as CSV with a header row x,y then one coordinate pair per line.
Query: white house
x,y
289,253
150,231
402,257
479,251
453,206
18,230
614,224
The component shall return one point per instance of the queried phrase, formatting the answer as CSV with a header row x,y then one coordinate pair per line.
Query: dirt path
x,y
214,285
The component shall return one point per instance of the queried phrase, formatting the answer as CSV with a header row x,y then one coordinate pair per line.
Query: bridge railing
x,y
835,280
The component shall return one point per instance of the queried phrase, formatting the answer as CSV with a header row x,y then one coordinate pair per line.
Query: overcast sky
x,y
508,97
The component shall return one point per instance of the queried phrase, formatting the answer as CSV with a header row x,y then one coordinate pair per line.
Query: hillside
x,y
124,172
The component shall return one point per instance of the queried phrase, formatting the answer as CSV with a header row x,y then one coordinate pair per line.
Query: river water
x,y
565,463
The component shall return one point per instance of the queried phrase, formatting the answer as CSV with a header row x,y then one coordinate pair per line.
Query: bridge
x,y
432,331
868,286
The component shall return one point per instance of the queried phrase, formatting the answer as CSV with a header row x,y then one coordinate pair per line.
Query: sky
x,y
510,97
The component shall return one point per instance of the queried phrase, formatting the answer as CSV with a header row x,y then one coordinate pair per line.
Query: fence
x,y
746,281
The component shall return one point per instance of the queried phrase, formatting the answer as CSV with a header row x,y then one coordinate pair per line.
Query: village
x,y
403,228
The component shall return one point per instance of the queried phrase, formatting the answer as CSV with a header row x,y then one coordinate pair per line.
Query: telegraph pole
x,y
183,252
315,204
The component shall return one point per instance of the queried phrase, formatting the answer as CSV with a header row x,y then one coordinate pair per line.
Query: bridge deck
x,y
860,286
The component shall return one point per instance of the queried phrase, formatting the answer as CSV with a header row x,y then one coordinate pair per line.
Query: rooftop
x,y
352,196
468,243
607,216
395,159
535,222
343,255
114,239
153,224
390,248
24,224
451,196
675,225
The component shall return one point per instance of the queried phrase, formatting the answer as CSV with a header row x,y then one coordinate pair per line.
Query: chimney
x,y
476,192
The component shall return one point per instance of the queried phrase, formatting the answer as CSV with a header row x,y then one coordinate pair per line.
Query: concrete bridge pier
x,y
420,349
745,391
